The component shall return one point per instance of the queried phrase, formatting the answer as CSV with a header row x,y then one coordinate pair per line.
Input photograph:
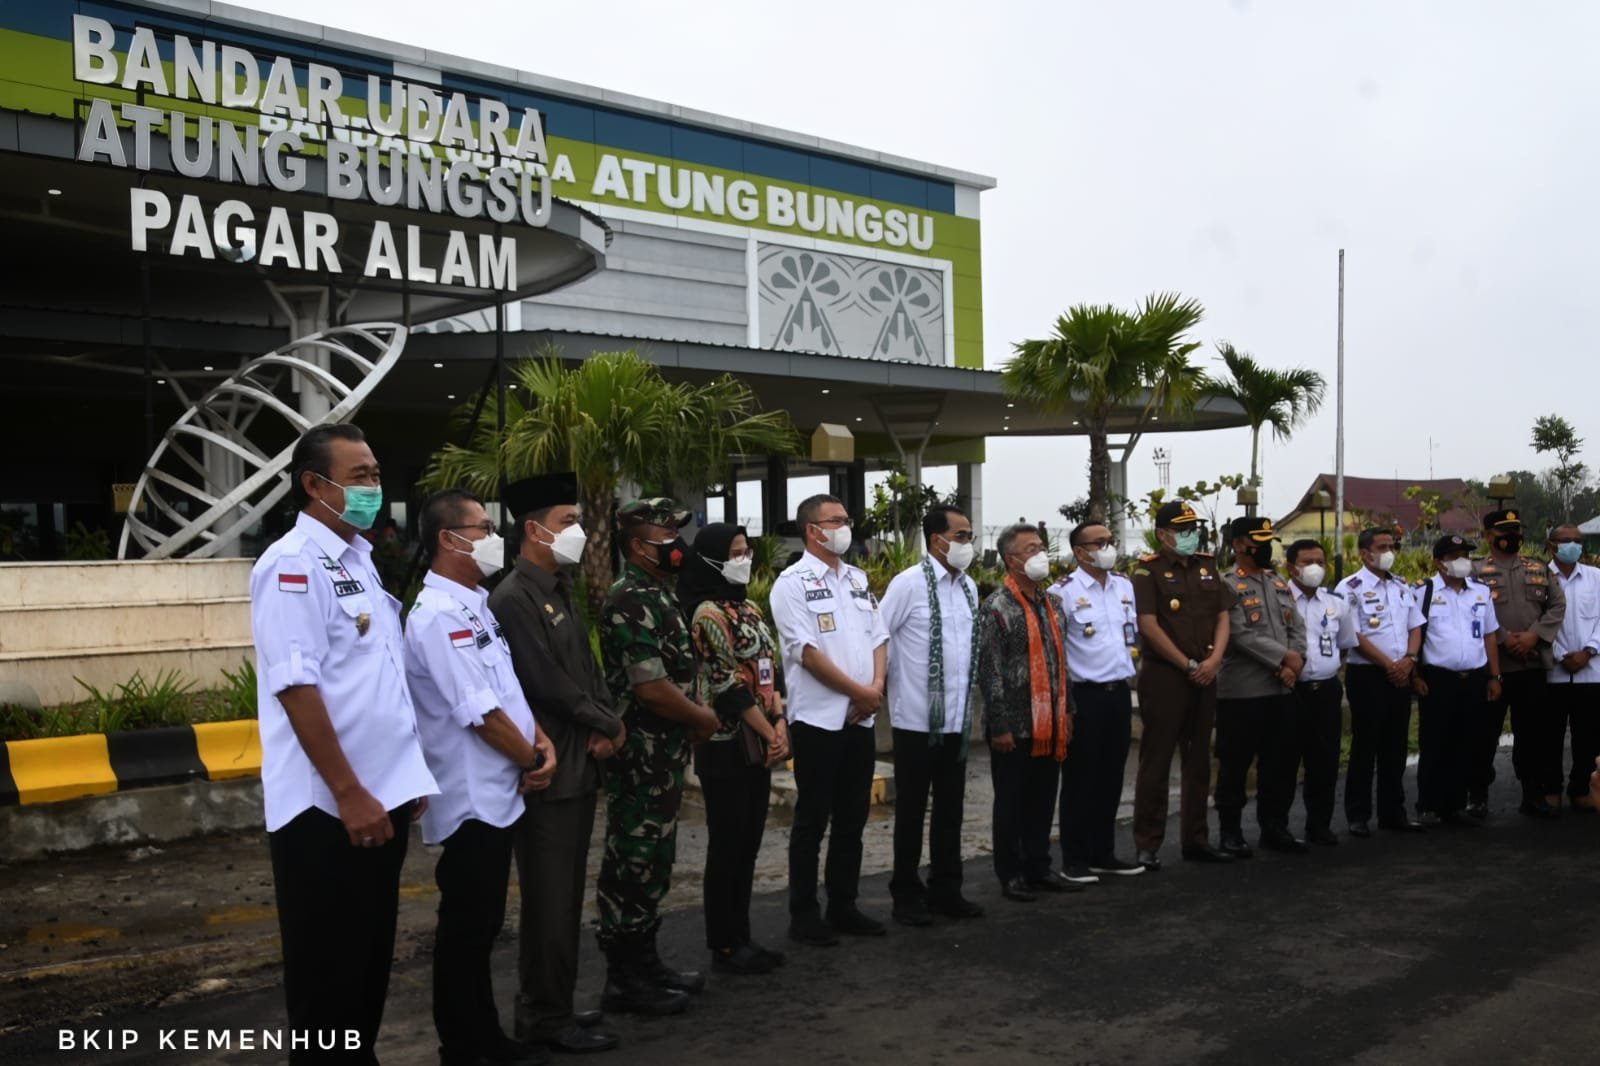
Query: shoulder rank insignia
x,y
1150,558
1354,582
1140,571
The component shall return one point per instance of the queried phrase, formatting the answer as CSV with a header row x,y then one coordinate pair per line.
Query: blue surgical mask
x,y
1186,543
361,503
1569,553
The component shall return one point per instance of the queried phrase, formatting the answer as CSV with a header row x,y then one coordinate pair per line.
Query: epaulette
x,y
1152,557
1353,581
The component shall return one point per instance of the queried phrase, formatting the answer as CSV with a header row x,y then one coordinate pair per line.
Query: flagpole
x,y
1338,447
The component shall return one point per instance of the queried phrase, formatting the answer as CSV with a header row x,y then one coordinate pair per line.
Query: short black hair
x,y
1370,534
1305,544
441,511
1077,530
937,520
314,452
811,507
1559,526
1009,535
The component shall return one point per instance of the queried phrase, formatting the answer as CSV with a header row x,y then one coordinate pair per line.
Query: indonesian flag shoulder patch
x,y
292,583
462,638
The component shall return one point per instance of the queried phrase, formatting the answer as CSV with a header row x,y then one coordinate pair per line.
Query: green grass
x,y
167,699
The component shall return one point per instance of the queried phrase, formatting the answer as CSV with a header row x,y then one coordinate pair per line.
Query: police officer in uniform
x,y
1459,674
1388,634
1531,608
1318,695
650,664
1255,708
342,770
1183,604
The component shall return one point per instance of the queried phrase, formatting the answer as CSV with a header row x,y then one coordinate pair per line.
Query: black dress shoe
x,y
744,960
811,929
1207,853
912,912
588,1018
1538,808
778,958
851,922
635,992
1402,825
1478,810
1463,819
1016,890
1325,837
1149,860
1054,882
1360,829
955,907
1233,844
1282,840
580,1039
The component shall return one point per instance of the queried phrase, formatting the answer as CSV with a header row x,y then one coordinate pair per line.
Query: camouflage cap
x,y
654,511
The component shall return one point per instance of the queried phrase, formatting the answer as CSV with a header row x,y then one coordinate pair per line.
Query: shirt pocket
x,y
363,627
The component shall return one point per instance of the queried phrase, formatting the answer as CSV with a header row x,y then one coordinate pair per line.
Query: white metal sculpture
x,y
197,517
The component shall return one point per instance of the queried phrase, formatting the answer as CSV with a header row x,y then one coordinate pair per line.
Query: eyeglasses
x,y
1028,552
1103,542
485,527
964,537
833,523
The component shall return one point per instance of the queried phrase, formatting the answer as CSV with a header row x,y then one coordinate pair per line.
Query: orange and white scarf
x,y
1052,725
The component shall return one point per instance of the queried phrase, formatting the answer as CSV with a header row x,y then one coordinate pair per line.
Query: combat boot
x,y
630,987
665,976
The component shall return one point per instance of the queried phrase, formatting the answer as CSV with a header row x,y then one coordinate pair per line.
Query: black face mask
x,y
670,556
1260,554
1511,543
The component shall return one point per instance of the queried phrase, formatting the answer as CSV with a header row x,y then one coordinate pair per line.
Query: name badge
x,y
764,672
1130,634
1477,629
825,623
1326,645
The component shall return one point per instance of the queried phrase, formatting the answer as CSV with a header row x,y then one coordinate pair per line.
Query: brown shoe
x,y
1554,800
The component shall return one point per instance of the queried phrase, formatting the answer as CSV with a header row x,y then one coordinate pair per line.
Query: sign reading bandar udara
x,y
424,152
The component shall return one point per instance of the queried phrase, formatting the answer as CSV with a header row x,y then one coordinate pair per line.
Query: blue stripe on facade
x,y
564,117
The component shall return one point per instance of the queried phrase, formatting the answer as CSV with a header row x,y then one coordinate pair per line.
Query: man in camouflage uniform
x,y
650,665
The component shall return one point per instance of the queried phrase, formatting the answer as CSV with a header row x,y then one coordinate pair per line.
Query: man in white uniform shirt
x,y
479,738
1102,634
342,771
835,662
1319,695
1388,633
1574,685
929,612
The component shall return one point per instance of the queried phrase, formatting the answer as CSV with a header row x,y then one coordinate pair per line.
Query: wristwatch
x,y
1193,666
1496,677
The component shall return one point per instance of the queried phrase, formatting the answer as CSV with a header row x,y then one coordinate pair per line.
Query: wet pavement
x,y
1455,946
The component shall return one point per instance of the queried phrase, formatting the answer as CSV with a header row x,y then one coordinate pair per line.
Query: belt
x,y
1318,683
1102,686
1461,674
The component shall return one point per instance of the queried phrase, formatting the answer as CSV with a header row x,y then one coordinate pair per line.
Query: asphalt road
x,y
1456,946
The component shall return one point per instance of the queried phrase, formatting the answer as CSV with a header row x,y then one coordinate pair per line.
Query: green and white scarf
x,y
936,656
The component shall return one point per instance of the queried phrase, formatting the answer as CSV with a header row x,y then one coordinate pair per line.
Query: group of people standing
x,y
493,720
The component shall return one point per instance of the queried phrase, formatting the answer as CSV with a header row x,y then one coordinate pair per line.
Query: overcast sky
x,y
1222,150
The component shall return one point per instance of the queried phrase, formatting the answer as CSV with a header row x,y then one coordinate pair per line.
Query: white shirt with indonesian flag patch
x,y
319,616
458,667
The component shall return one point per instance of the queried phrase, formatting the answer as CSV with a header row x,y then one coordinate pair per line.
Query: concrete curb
x,y
143,816
66,768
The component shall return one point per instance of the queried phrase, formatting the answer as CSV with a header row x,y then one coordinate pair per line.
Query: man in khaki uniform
x,y
1530,608
1182,604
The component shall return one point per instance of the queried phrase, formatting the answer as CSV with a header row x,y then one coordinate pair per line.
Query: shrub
x,y
140,704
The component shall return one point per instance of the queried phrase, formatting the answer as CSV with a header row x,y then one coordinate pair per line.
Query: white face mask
x,y
1037,567
736,571
1105,558
567,546
1312,575
489,553
1383,561
836,540
1460,569
960,555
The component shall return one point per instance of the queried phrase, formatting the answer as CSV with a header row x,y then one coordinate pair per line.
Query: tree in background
x,y
898,506
1552,433
611,418
1100,358
1281,399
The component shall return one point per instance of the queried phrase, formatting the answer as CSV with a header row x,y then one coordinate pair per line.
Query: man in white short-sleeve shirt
x,y
342,770
479,737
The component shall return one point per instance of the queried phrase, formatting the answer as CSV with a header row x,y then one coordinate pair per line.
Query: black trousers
x,y
1024,806
1577,706
833,783
1091,778
923,770
337,907
1380,734
1261,731
736,797
473,874
1522,694
552,850
1319,723
1449,720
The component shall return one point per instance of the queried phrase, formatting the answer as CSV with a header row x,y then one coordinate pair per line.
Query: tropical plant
x,y
898,506
1281,399
1552,433
1100,358
237,699
84,543
138,703
612,418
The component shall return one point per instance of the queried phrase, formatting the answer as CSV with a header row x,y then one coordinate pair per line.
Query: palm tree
x,y
1101,358
612,418
1282,399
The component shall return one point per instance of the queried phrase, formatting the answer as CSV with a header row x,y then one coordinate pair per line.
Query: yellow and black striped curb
x,y
63,768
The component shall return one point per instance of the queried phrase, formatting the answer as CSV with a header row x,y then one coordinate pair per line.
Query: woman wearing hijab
x,y
740,675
